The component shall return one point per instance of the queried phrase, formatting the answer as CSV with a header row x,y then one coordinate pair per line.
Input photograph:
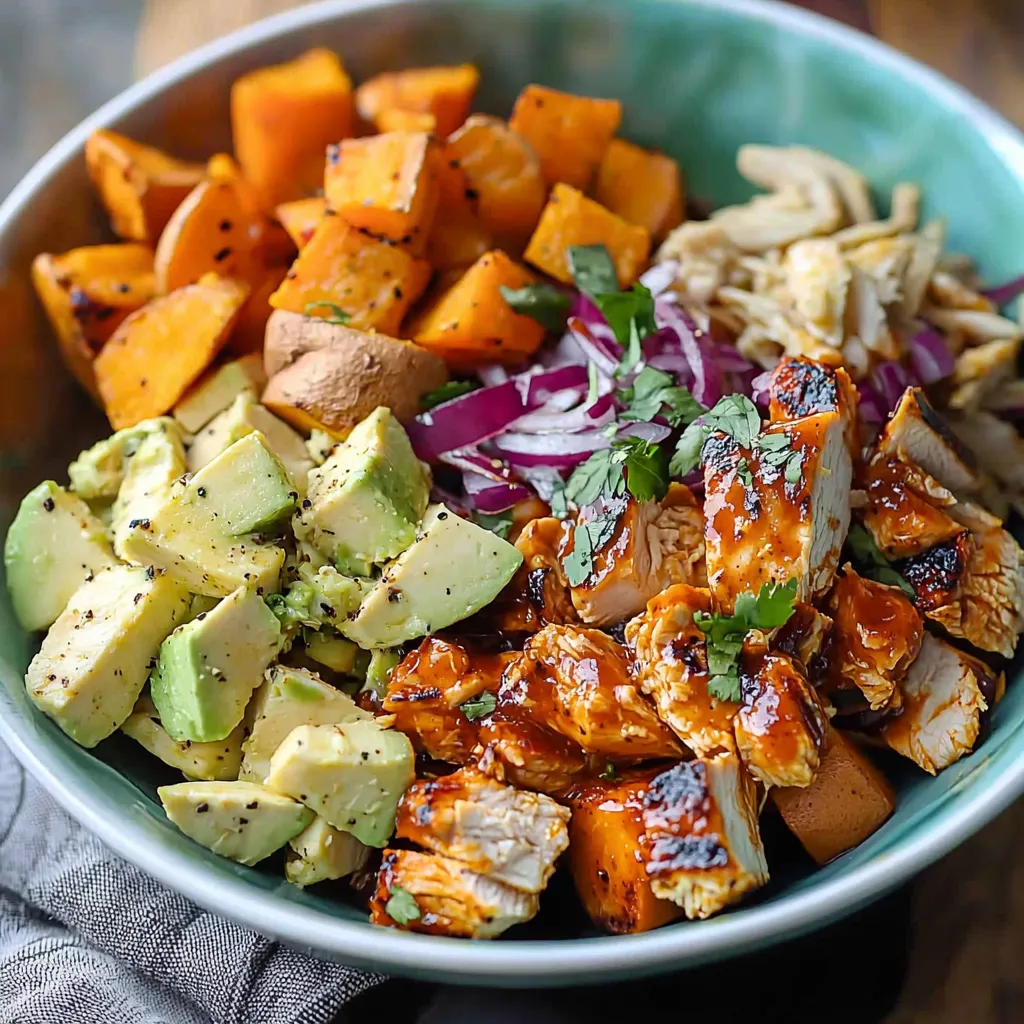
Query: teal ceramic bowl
x,y
697,78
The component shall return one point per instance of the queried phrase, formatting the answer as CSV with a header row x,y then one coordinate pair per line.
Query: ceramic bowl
x,y
697,79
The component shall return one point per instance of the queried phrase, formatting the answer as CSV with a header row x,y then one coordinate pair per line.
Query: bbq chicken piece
x,y
531,754
700,822
539,593
781,724
495,830
580,683
943,700
654,545
608,853
671,665
804,387
790,520
807,637
423,892
876,635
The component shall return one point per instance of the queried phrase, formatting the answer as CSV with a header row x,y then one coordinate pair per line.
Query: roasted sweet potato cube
x,y
160,349
140,186
446,93
300,218
472,312
848,800
641,186
503,175
386,184
459,236
283,118
569,219
608,856
569,133
394,120
250,328
371,282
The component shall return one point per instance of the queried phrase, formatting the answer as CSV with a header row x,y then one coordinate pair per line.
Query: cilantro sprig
x,y
630,463
499,523
769,609
655,393
545,303
446,392
870,561
587,540
401,906
480,706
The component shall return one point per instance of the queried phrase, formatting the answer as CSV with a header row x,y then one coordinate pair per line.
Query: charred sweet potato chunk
x,y
641,186
444,93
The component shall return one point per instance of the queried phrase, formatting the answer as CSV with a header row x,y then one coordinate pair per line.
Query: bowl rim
x,y
542,962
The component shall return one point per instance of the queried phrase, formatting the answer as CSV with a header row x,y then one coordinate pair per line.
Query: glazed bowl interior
x,y
697,79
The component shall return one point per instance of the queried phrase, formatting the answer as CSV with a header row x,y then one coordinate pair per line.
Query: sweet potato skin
x,y
472,317
140,186
641,186
504,176
445,93
158,351
300,218
569,219
283,117
385,184
569,133
370,281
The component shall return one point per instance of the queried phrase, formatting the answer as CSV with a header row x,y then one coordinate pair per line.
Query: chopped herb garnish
x,y
544,303
872,563
777,450
500,523
735,415
446,392
593,270
338,315
769,609
600,475
401,906
631,463
655,393
609,773
559,506
587,540
480,706
646,468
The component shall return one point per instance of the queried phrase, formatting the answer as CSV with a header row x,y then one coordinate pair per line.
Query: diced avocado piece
x,y
199,532
453,569
217,389
208,668
337,653
53,546
320,445
319,598
93,663
367,498
352,775
242,417
290,697
157,462
200,605
240,820
382,663
217,761
97,473
321,853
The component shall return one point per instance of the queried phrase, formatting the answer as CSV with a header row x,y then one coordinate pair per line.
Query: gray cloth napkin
x,y
86,938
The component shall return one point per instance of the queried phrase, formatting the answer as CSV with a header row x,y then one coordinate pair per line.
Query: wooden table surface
x,y
969,909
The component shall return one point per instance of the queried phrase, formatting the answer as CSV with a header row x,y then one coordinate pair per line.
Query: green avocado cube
x,y
217,389
335,652
322,853
452,570
53,546
367,498
352,775
208,668
93,663
240,820
288,698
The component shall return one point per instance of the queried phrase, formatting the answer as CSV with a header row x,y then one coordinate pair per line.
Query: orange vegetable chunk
x,y
503,174
160,349
140,186
386,184
372,282
250,328
642,186
472,314
569,133
300,218
569,219
444,92
459,237
283,118
395,120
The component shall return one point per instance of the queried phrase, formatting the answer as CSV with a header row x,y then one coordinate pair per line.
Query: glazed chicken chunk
x,y
876,635
802,387
700,821
943,701
443,896
508,835
540,592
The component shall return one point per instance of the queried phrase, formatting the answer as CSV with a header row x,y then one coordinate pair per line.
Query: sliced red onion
x,y
759,388
653,432
491,376
583,417
872,406
543,479
489,497
930,356
656,279
469,460
729,359
707,377
595,350
890,380
1004,294
439,496
540,387
561,451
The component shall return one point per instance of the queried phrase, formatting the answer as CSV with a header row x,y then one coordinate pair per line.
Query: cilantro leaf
x,y
600,474
609,773
646,468
593,270
688,448
588,539
500,523
727,685
480,706
735,415
338,315
655,393
559,507
872,563
769,609
545,303
631,318
401,906
794,471
446,392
